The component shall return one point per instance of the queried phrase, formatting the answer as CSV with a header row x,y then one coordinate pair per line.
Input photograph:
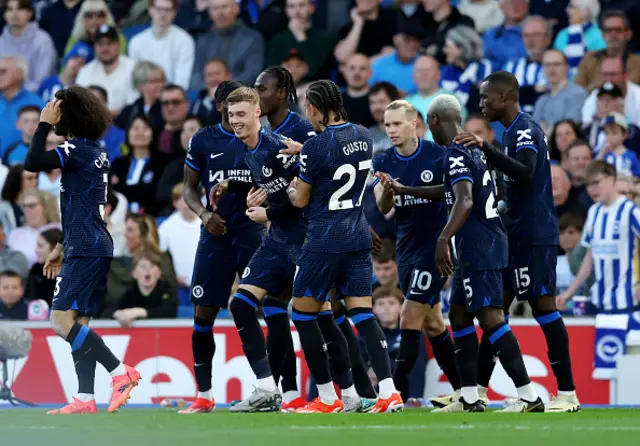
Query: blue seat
x,y
185,312
133,30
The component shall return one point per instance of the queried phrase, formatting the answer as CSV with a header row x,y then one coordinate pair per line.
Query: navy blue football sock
x,y
507,348
86,342
85,370
358,368
487,360
466,354
444,352
280,343
313,345
374,339
337,349
243,308
203,346
557,338
406,359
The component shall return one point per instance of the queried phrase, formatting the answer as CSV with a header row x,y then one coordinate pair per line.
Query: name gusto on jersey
x,y
356,146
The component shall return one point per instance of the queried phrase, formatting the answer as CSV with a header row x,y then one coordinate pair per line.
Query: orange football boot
x,y
291,406
76,406
122,387
392,404
317,406
201,405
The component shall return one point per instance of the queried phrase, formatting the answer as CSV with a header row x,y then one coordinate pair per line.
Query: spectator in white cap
x,y
565,100
614,152
466,66
110,70
165,44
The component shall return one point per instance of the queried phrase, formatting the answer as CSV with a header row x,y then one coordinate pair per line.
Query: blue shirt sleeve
x,y
193,159
311,160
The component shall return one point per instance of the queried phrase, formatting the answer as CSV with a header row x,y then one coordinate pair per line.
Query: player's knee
x,y
61,322
490,318
544,317
361,314
243,304
275,303
544,304
433,324
412,316
206,313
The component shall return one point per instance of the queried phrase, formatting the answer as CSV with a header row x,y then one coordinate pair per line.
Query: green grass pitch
x,y
163,427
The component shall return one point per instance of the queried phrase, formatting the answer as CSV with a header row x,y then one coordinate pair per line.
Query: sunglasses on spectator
x,y
29,205
96,14
174,102
617,30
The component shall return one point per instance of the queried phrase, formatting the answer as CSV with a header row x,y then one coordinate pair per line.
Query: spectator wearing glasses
x,y
175,108
582,35
565,99
110,70
165,44
24,37
536,35
149,80
230,40
617,35
58,19
92,15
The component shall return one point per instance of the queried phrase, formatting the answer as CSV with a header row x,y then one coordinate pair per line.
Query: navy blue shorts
x,y
81,285
218,259
476,289
531,272
348,272
272,267
421,282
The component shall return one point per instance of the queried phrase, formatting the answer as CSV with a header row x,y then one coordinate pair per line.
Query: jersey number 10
x,y
335,202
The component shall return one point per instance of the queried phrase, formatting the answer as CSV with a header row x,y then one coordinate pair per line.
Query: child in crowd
x,y
28,118
614,152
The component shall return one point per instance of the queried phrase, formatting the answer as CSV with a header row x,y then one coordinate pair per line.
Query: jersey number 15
x,y
335,202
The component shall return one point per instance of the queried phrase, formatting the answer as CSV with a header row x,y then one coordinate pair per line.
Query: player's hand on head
x,y
256,197
378,243
217,192
213,223
468,139
443,258
257,214
293,147
52,112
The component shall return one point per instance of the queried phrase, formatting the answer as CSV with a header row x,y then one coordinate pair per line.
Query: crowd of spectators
x,y
157,64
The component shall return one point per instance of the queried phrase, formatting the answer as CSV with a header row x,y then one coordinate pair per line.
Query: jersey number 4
x,y
335,202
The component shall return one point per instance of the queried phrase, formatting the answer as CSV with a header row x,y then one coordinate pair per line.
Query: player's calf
x,y
279,340
441,344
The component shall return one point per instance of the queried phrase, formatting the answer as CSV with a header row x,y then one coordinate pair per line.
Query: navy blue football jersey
x,y
218,155
337,163
296,127
419,221
83,197
481,244
531,214
273,171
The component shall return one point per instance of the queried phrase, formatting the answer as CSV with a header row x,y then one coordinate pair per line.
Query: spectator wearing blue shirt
x,y
582,35
397,67
615,127
13,96
505,43
73,61
536,34
27,123
466,67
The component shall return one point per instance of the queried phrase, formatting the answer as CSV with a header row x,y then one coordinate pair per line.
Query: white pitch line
x,y
474,426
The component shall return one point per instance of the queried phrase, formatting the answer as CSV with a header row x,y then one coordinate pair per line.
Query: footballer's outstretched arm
x,y
435,193
299,193
384,197
520,169
38,159
460,211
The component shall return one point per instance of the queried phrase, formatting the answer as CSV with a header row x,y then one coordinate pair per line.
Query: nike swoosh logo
x,y
522,291
198,365
414,292
213,156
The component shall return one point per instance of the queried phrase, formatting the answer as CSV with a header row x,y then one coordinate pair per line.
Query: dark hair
x,y
225,89
480,117
420,116
600,167
12,184
579,143
617,13
387,87
52,236
554,152
23,4
570,220
174,3
388,291
284,81
101,90
387,254
504,82
174,87
11,274
326,97
153,144
191,117
27,109
220,61
83,115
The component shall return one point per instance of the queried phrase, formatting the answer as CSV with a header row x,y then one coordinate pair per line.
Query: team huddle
x,y
305,180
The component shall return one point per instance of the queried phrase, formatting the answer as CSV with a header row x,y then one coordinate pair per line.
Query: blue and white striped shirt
x,y
612,232
528,73
459,81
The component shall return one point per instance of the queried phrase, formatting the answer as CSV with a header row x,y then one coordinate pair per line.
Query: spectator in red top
x,y
370,32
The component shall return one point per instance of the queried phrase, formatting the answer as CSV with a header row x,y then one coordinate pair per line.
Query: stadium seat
x,y
133,30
